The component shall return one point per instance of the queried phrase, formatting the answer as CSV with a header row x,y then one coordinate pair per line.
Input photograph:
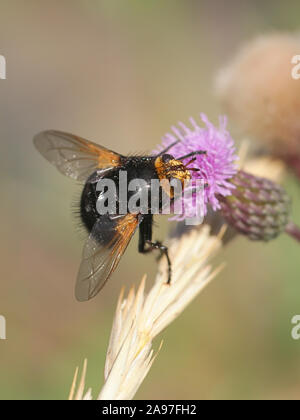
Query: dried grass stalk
x,y
141,316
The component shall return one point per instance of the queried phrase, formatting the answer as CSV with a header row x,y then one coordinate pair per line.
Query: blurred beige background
x,y
121,73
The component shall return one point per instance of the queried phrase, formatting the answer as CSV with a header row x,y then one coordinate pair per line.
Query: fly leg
x,y
163,251
146,245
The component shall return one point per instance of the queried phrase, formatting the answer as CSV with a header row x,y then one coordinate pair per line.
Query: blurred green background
x,y
121,73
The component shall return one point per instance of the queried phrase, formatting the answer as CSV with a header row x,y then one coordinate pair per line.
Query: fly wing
x,y
74,156
102,252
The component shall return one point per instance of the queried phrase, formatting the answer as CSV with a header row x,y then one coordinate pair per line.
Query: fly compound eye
x,y
166,158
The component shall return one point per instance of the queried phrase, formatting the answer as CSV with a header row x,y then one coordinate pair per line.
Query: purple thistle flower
x,y
215,168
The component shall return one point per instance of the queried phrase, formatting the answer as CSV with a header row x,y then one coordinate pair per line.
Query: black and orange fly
x,y
109,235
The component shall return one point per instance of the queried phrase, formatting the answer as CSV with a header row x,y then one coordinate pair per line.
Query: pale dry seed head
x,y
259,94
141,316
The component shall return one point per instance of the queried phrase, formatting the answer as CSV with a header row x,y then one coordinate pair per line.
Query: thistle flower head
x,y
215,167
258,207
260,94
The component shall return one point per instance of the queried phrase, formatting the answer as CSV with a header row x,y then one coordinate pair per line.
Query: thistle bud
x,y
257,208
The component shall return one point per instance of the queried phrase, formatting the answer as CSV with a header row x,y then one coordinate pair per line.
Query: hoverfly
x,y
109,235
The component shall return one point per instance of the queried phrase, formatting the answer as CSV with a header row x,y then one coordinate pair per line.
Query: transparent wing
x,y
102,252
74,156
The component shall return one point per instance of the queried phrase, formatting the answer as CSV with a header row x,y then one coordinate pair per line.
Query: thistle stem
x,y
293,230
